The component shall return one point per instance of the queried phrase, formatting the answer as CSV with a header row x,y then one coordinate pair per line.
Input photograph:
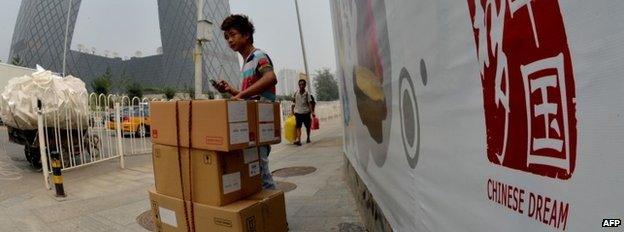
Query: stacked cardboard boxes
x,y
207,166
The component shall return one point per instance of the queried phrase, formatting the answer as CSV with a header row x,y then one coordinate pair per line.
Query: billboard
x,y
485,115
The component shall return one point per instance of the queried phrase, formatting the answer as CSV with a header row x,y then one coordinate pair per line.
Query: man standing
x,y
259,80
303,109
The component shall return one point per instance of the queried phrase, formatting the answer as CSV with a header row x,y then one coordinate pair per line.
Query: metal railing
x,y
324,110
113,127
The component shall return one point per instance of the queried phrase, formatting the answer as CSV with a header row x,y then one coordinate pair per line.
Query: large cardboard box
x,y
221,178
240,216
266,123
273,209
167,171
218,125
218,178
168,213
163,125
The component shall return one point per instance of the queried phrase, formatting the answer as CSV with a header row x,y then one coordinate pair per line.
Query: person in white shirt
x,y
303,109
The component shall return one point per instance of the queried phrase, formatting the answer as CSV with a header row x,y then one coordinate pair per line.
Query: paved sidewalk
x,y
104,197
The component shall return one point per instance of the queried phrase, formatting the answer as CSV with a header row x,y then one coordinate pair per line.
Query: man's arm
x,y
312,105
292,107
267,81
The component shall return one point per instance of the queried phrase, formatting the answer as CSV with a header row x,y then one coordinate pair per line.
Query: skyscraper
x,y
39,38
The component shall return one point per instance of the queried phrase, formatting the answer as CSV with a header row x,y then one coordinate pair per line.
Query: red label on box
x,y
154,134
214,140
528,85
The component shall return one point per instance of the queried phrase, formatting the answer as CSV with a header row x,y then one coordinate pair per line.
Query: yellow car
x,y
134,120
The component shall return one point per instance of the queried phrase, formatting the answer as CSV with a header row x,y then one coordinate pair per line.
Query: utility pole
x,y
198,52
66,37
305,60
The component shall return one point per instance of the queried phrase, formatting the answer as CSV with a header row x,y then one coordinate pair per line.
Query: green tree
x,y
17,61
169,92
325,85
134,89
102,84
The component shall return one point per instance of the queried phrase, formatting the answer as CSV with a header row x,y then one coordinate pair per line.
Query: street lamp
x,y
305,60
204,34
204,31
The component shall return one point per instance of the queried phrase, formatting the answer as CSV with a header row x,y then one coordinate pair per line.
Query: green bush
x,y
134,90
169,92
103,83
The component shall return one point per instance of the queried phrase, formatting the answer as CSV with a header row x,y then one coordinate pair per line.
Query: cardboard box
x,y
218,125
168,213
167,171
218,178
266,123
241,216
273,209
252,177
221,178
163,125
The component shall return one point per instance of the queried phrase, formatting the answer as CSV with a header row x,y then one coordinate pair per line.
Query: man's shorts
x,y
303,119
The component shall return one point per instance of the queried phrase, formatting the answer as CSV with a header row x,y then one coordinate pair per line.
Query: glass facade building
x,y
39,38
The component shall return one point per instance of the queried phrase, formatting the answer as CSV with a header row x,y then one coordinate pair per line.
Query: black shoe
x,y
298,143
308,141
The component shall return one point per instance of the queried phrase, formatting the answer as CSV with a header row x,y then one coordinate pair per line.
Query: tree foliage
x,y
169,92
325,85
17,61
102,84
134,89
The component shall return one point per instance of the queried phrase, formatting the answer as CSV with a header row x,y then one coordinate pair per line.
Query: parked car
x,y
133,120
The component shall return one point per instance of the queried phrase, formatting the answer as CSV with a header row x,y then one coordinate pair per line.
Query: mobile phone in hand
x,y
214,83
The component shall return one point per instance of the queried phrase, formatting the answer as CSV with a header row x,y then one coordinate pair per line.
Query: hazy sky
x,y
127,26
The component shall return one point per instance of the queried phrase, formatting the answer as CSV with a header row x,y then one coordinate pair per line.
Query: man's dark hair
x,y
241,23
302,80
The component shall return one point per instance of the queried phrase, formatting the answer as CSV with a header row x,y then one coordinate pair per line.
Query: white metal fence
x,y
115,126
324,110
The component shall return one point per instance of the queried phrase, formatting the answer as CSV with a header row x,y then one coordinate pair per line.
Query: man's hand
x,y
239,96
223,86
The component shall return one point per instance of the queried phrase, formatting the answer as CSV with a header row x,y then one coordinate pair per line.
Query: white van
x,y
8,72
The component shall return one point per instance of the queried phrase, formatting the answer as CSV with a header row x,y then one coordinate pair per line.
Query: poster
x,y
485,115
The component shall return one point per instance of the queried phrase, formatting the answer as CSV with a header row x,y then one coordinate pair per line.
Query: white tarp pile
x,y
64,100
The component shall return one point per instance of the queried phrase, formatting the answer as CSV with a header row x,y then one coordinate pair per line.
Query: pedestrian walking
x,y
259,79
303,109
